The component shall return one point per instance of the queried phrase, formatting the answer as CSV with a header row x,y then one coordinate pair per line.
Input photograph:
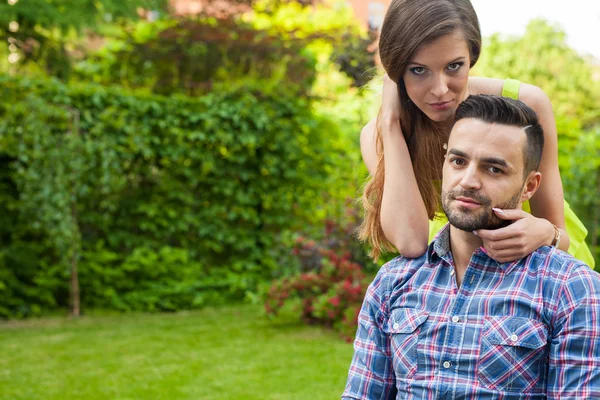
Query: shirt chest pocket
x,y
513,353
403,327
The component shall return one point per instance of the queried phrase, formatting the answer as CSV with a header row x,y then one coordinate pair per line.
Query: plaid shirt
x,y
529,329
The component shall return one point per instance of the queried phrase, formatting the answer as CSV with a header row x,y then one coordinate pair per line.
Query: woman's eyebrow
x,y
416,63
461,58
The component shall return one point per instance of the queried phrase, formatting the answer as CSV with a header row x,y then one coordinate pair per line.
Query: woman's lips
x,y
443,105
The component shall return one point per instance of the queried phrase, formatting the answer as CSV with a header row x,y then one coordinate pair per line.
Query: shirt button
x,y
396,325
455,319
514,337
447,364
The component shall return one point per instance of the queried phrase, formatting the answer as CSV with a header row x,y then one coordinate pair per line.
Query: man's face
x,y
483,169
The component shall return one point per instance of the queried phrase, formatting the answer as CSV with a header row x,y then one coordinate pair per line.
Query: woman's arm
x,y
403,215
548,201
530,231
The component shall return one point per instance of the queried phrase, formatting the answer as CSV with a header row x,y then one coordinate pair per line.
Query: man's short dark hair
x,y
511,112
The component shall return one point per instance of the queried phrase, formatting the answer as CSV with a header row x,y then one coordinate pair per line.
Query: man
x,y
454,323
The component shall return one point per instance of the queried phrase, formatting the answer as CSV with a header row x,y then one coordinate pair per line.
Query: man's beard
x,y
481,218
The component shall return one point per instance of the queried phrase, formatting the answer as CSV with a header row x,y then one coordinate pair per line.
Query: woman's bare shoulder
x,y
481,85
529,94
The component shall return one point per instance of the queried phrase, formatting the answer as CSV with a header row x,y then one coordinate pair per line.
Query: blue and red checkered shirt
x,y
529,329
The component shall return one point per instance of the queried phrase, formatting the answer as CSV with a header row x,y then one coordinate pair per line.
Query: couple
x,y
454,322
491,308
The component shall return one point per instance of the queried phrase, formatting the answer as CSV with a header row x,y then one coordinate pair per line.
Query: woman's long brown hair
x,y
408,25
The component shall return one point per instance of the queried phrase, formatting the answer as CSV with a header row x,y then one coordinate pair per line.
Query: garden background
x,y
184,186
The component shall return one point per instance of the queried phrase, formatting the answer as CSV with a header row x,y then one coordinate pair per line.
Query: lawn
x,y
216,353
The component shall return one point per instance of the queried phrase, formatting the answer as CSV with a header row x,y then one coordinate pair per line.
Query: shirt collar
x,y
439,248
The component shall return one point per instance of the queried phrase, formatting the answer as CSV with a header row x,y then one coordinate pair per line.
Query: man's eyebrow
x,y
458,153
495,160
487,160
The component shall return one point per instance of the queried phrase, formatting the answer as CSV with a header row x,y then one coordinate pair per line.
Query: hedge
x,y
162,203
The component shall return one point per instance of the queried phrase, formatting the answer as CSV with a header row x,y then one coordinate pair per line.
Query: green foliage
x,y
356,57
47,28
331,281
148,279
39,174
542,57
192,56
582,184
206,186
67,15
330,296
325,19
273,43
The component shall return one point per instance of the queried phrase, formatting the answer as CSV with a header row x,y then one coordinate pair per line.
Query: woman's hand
x,y
390,105
521,238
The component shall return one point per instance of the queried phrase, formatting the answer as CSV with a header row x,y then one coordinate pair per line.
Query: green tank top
x,y
576,230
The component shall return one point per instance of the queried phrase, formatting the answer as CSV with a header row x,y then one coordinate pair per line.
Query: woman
x,y
427,49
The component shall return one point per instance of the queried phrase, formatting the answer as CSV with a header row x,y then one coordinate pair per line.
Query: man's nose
x,y
470,180
440,86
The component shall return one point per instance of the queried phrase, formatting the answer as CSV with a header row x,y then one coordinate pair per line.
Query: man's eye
x,y
455,66
457,161
418,70
495,170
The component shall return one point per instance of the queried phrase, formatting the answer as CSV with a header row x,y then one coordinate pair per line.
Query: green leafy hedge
x,y
161,203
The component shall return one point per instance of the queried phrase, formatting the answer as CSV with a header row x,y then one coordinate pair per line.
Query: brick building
x,y
370,12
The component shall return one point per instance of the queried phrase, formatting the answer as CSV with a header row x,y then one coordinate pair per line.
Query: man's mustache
x,y
471,194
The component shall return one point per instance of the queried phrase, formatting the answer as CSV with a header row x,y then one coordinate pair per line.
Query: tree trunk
x,y
75,300
75,296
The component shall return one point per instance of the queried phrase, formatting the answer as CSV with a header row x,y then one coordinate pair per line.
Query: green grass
x,y
217,353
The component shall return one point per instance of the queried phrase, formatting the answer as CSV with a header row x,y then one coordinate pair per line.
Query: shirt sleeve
x,y
371,374
574,359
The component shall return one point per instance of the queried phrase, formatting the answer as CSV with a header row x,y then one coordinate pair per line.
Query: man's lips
x,y
467,202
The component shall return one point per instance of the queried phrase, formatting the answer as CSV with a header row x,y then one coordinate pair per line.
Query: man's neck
x,y
463,245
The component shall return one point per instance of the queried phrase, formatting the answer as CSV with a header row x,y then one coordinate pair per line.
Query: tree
x,y
542,57
582,183
38,31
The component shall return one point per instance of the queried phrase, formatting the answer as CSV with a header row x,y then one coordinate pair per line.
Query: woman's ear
x,y
531,185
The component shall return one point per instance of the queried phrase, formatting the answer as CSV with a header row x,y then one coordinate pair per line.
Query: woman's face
x,y
437,75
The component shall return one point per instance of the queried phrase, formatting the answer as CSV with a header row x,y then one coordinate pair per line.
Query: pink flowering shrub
x,y
330,287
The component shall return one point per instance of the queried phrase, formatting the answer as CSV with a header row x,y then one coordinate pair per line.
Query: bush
x,y
333,276
162,191
330,296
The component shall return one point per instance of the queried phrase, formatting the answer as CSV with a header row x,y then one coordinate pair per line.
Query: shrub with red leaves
x,y
330,286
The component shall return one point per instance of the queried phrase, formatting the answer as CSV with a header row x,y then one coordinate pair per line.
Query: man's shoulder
x,y
396,271
562,266
400,266
555,259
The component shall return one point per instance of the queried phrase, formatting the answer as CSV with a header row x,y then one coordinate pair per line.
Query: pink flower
x,y
335,301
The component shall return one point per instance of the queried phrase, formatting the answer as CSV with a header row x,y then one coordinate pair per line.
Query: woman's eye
x,y
455,66
418,70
